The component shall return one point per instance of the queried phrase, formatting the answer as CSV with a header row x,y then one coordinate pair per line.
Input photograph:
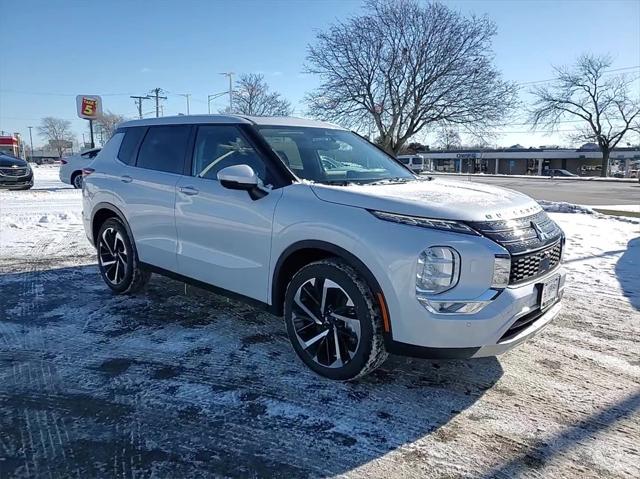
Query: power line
x,y
22,92
554,79
138,101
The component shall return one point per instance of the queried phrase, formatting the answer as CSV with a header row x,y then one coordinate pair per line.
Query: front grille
x,y
13,171
521,235
535,243
533,265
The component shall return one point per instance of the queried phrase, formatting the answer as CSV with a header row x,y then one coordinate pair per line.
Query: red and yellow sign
x,y
89,106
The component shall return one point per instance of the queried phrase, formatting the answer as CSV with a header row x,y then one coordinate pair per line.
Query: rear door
x,y
224,237
149,192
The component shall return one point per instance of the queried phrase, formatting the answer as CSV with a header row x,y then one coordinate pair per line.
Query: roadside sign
x,y
89,106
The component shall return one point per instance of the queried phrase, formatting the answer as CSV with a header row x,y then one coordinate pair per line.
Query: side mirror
x,y
241,177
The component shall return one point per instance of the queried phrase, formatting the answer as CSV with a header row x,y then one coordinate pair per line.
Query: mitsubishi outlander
x,y
361,256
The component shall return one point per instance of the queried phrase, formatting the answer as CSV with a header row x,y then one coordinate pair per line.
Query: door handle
x,y
126,179
188,190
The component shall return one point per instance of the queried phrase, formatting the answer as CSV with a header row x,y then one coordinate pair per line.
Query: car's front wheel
x,y
333,320
118,259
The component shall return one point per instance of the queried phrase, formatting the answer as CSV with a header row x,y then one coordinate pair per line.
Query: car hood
x,y
8,162
443,199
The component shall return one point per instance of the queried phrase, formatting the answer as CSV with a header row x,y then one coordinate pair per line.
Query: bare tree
x,y
106,124
251,96
57,132
448,138
585,92
404,65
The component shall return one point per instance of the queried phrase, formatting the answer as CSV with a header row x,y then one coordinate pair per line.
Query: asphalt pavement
x,y
591,193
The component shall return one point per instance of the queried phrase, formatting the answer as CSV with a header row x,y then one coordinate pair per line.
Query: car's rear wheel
x,y
333,320
118,259
76,180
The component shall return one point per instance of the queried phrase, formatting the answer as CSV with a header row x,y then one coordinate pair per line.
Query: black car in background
x,y
557,172
15,173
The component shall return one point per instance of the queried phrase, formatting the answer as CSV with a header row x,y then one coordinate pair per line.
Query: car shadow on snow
x,y
628,272
193,384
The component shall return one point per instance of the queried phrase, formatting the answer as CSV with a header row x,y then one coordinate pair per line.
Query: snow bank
x,y
563,207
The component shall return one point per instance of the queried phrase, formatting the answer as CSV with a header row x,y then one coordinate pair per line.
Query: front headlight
x,y
438,224
438,270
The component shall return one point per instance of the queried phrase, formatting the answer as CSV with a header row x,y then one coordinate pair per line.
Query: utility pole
x,y
31,141
138,101
156,94
230,75
186,95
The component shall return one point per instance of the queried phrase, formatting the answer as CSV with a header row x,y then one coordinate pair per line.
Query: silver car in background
x,y
71,167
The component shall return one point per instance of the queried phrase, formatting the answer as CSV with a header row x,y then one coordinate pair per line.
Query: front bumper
x,y
16,181
512,318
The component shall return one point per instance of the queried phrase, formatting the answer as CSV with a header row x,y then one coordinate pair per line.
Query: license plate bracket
x,y
549,291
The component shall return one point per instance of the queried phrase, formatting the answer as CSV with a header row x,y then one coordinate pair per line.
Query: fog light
x,y
452,307
438,270
501,272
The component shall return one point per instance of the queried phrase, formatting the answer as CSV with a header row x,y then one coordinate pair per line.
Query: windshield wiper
x,y
336,182
397,179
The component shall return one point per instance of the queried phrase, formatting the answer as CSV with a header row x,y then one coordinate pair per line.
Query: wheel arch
x,y
102,212
307,251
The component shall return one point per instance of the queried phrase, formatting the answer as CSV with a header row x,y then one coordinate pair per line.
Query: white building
x,y
585,161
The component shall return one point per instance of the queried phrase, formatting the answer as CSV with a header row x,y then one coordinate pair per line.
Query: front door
x,y
224,237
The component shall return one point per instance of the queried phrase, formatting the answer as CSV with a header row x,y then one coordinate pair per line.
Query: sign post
x,y
90,108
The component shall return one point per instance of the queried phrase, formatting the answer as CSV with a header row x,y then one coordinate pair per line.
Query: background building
x,y
584,161
11,144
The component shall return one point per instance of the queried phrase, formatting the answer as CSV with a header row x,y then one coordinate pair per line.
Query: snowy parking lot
x,y
182,383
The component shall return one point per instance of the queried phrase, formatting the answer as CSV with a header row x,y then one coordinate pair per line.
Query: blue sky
x,y
53,50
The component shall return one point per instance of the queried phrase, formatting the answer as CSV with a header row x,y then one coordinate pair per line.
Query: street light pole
x,y
186,95
213,97
230,75
31,141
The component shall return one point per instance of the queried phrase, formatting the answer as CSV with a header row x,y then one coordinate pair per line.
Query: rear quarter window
x,y
129,146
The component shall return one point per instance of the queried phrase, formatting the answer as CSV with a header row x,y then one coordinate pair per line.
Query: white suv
x,y
310,220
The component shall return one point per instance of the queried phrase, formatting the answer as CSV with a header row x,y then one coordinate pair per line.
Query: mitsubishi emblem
x,y
542,236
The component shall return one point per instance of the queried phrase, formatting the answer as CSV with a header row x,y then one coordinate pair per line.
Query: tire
x,y
118,259
351,319
76,180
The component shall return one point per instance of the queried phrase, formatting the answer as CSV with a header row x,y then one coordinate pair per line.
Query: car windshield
x,y
332,156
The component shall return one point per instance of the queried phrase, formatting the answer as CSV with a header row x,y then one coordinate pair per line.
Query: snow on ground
x,y
44,220
171,384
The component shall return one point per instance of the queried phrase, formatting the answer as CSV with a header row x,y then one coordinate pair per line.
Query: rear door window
x,y
129,145
164,148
